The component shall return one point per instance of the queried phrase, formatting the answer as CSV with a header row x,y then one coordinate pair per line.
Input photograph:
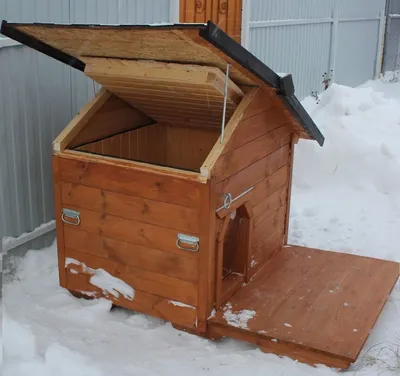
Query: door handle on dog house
x,y
71,217
192,241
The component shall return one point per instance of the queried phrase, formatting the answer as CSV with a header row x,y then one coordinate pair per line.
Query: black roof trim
x,y
211,33
10,31
284,85
302,116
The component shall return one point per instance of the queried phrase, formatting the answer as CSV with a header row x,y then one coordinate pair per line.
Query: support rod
x,y
225,99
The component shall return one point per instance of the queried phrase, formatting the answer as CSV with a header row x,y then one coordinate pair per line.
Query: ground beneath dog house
x,y
346,196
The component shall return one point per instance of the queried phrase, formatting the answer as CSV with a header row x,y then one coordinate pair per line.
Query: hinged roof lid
x,y
180,43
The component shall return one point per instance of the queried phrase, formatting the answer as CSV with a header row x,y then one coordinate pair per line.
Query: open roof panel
x,y
180,43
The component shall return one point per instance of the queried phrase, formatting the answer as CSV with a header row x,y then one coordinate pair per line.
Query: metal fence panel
x,y
309,38
39,96
391,60
356,52
298,49
34,109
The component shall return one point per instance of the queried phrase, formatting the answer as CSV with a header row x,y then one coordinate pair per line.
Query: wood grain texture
x,y
143,302
140,279
270,222
262,190
282,348
227,14
230,129
252,175
130,179
113,117
302,287
136,232
242,157
59,223
269,205
290,183
263,251
131,207
220,261
80,120
268,186
207,256
142,83
180,264
260,117
162,144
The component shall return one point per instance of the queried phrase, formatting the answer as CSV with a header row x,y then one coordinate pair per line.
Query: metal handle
x,y
188,239
68,213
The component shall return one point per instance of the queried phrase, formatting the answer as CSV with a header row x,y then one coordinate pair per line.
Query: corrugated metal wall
x,y
310,37
391,60
39,96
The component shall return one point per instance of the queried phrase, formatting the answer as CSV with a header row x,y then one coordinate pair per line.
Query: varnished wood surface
x,y
143,302
81,120
125,179
140,279
226,14
161,144
131,207
59,224
113,117
178,264
242,157
313,299
148,85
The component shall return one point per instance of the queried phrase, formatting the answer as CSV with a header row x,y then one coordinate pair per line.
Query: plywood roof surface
x,y
165,44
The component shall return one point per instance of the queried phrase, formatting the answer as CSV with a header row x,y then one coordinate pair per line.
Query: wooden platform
x,y
314,306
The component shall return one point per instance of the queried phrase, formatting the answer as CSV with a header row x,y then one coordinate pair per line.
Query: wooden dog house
x,y
175,181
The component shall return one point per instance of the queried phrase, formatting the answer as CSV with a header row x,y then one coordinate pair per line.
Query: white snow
x,y
287,325
346,196
104,280
180,304
238,319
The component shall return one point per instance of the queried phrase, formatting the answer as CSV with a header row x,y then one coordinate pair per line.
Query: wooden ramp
x,y
311,305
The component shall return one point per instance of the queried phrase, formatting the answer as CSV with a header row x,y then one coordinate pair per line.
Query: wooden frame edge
x,y
216,151
80,120
125,163
59,224
293,142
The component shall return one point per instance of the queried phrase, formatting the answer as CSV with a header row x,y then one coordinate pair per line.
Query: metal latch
x,y
228,200
192,241
71,217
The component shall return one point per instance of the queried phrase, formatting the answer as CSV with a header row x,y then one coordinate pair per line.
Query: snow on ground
x,y
346,197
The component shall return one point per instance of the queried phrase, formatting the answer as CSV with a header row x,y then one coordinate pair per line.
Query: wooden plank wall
x,y
227,14
129,221
161,144
258,155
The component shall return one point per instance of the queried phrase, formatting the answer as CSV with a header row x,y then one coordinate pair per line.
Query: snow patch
x,y
104,280
238,319
287,325
391,76
180,304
